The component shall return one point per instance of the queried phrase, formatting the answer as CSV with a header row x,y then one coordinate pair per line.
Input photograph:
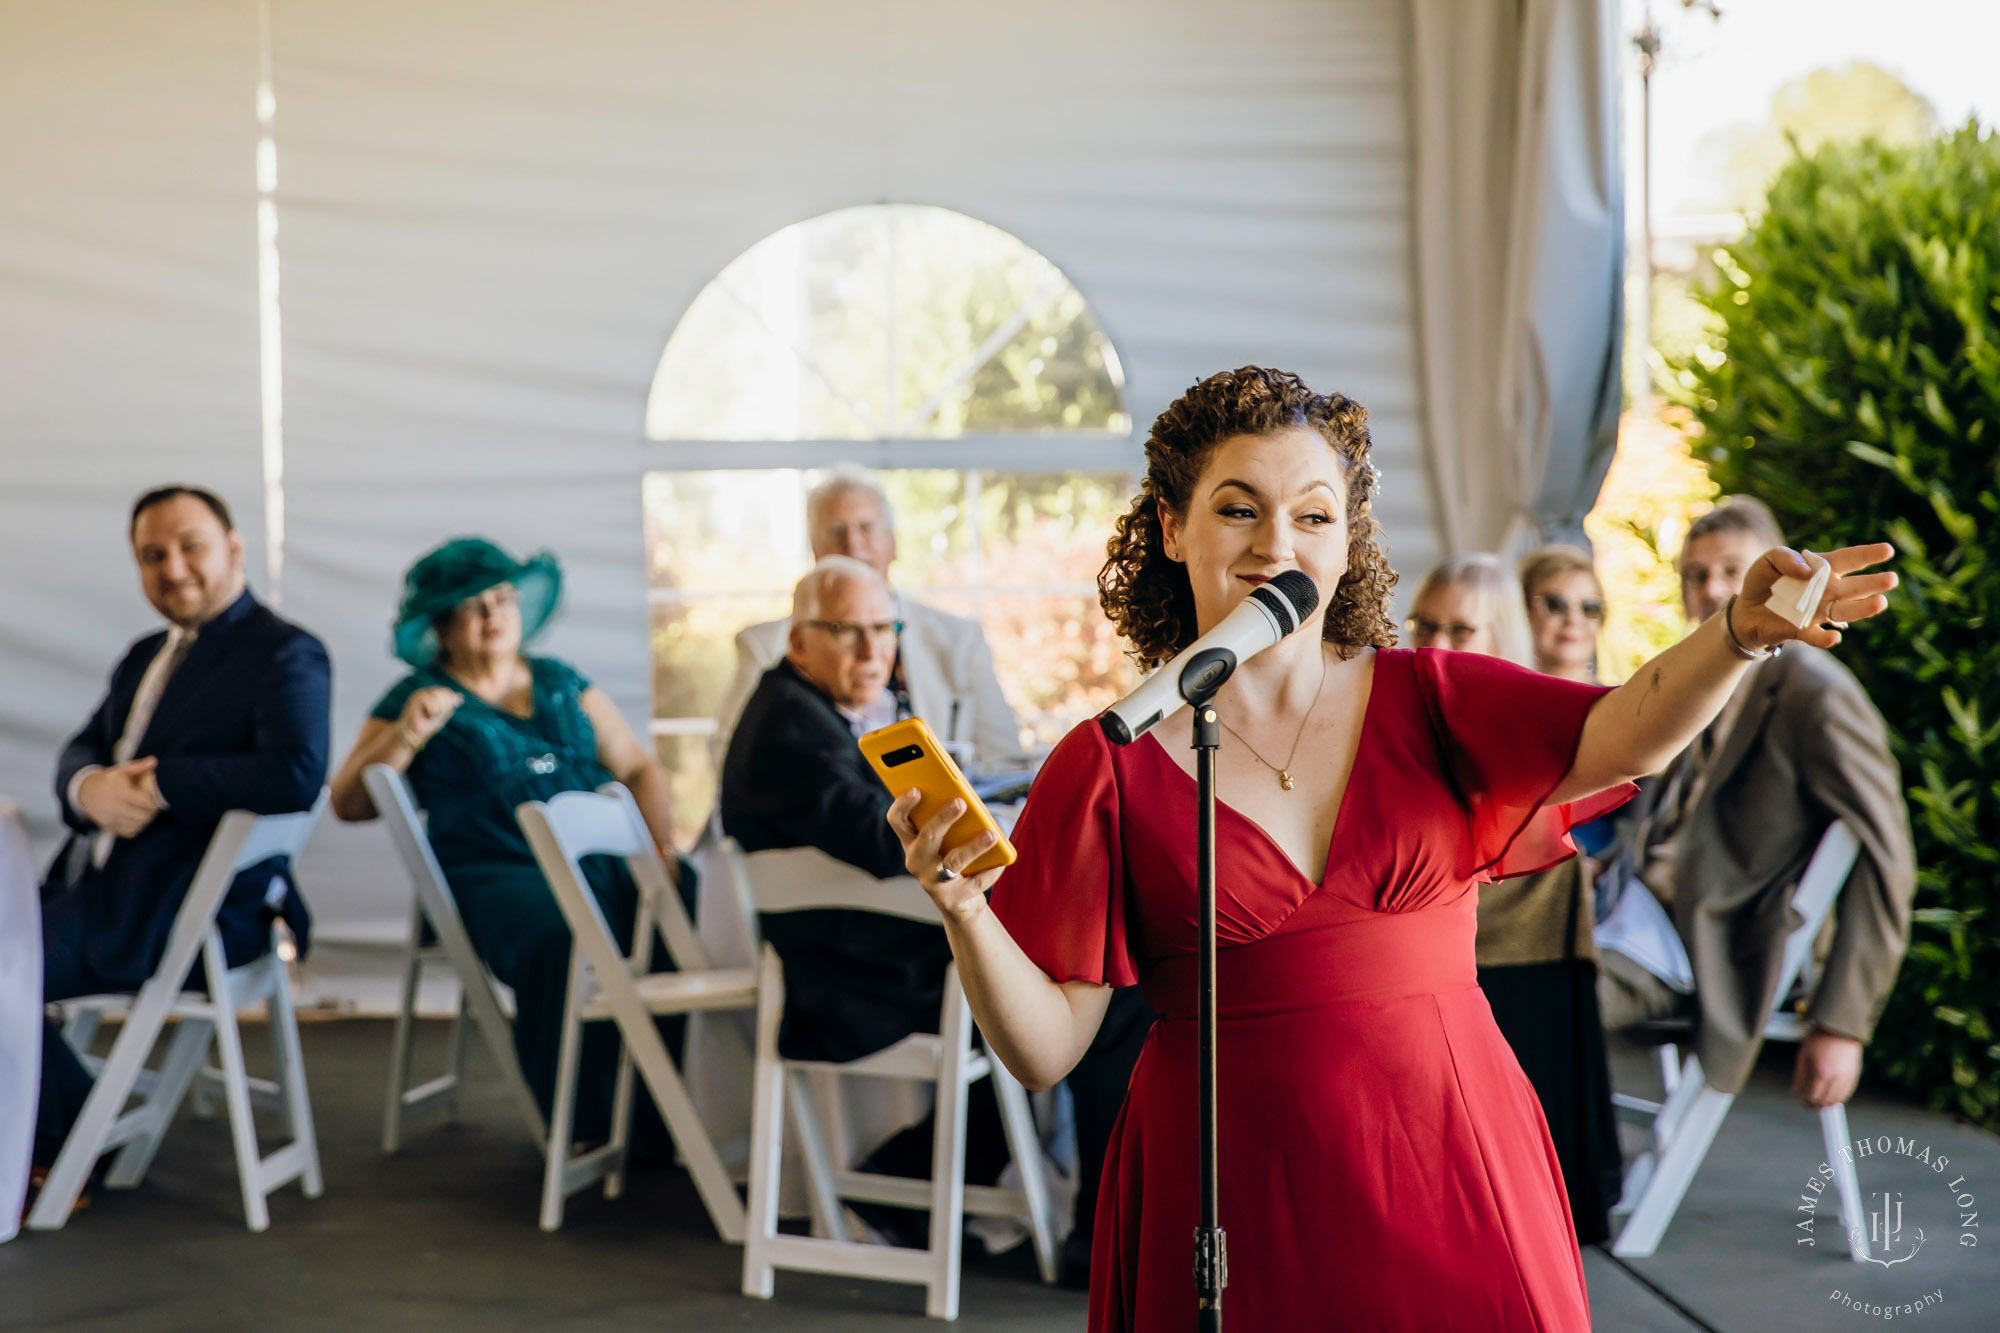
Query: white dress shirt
x,y
151,685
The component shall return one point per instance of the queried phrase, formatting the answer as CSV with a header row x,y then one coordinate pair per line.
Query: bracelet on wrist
x,y
1737,645
403,735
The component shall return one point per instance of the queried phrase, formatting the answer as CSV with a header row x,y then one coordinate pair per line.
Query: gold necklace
x,y
1285,773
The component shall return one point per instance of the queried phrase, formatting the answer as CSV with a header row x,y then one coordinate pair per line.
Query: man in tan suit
x,y
944,670
1722,838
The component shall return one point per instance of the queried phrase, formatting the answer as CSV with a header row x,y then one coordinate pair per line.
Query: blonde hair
x,y
1500,608
1544,563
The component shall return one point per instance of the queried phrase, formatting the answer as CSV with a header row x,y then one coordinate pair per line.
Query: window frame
x,y
1069,451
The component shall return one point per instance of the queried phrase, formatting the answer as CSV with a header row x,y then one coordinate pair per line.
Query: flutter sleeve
x,y
1063,899
1509,737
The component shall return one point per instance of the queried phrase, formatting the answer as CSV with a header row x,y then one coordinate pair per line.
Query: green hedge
x,y
1855,386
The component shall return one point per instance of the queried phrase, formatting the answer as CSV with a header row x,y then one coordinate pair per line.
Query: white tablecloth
x,y
20,1013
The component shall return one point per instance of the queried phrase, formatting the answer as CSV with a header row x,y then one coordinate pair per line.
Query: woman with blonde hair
x,y
1469,604
1565,604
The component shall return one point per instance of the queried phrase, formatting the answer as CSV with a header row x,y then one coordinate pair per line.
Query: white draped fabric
x,y
128,331
20,1013
1519,241
493,212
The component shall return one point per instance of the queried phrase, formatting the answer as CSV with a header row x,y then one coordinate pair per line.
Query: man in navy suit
x,y
226,709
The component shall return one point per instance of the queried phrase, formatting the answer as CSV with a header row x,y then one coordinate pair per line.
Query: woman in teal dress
x,y
477,727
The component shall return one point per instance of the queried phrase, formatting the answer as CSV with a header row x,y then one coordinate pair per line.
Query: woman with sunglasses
x,y
1565,611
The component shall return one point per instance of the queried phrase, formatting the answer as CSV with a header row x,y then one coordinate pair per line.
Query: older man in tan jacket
x,y
944,670
1722,838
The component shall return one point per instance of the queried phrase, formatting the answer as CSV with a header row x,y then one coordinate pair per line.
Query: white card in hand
x,y
1797,599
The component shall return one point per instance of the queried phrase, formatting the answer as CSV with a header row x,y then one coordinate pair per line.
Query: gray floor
x,y
1731,1260
444,1237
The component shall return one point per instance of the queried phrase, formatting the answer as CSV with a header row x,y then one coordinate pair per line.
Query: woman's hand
x,y
1849,596
425,712
962,896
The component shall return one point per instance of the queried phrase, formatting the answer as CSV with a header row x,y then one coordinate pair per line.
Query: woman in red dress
x,y
1384,1164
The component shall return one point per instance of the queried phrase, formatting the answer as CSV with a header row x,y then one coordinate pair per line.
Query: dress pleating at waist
x,y
1369,959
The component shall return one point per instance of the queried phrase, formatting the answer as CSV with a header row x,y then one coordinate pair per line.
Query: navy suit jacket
x,y
243,724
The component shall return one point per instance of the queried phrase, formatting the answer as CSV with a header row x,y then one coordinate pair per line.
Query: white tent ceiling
x,y
493,211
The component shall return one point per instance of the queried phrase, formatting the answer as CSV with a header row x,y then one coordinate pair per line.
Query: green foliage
x,y
1855,386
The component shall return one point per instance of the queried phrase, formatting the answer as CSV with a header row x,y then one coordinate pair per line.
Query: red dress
x,y
1384,1163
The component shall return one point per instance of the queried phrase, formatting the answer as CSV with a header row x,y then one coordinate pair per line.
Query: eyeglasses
x,y
1423,629
491,600
1559,607
853,635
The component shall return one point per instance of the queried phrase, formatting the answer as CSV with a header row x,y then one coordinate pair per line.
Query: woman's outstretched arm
x,y
1640,726
1037,1027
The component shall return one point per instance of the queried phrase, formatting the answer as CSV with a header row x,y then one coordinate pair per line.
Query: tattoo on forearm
x,y
1651,690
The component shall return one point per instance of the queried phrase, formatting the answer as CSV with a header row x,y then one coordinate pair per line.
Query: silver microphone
x,y
1268,614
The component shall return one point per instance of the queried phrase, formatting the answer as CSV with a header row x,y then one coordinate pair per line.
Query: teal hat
x,y
465,567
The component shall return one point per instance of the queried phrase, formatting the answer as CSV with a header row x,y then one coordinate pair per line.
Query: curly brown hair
x,y
1147,596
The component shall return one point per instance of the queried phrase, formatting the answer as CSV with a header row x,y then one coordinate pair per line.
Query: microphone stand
x,y
1200,679
1286,603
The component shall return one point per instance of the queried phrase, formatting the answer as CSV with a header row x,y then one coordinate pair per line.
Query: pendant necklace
x,y
1285,773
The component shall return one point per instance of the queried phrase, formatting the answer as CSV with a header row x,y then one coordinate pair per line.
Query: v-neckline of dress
x,y
1367,729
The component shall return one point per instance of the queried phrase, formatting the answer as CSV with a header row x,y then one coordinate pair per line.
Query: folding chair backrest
x,y
607,822
279,835
1813,900
719,862
399,813
727,857
799,879
660,887
241,840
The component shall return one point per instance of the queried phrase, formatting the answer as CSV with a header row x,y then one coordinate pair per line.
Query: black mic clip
x,y
1204,674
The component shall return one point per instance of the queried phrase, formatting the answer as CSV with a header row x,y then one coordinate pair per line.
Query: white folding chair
x,y
799,879
605,985
1683,1127
435,911
242,840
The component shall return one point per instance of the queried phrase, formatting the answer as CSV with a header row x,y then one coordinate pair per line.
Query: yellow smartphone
x,y
905,755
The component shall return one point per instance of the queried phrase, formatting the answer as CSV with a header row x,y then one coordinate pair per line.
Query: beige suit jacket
x,y
1806,749
946,665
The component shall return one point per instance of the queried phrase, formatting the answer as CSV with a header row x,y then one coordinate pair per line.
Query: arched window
x,y
886,322
969,374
